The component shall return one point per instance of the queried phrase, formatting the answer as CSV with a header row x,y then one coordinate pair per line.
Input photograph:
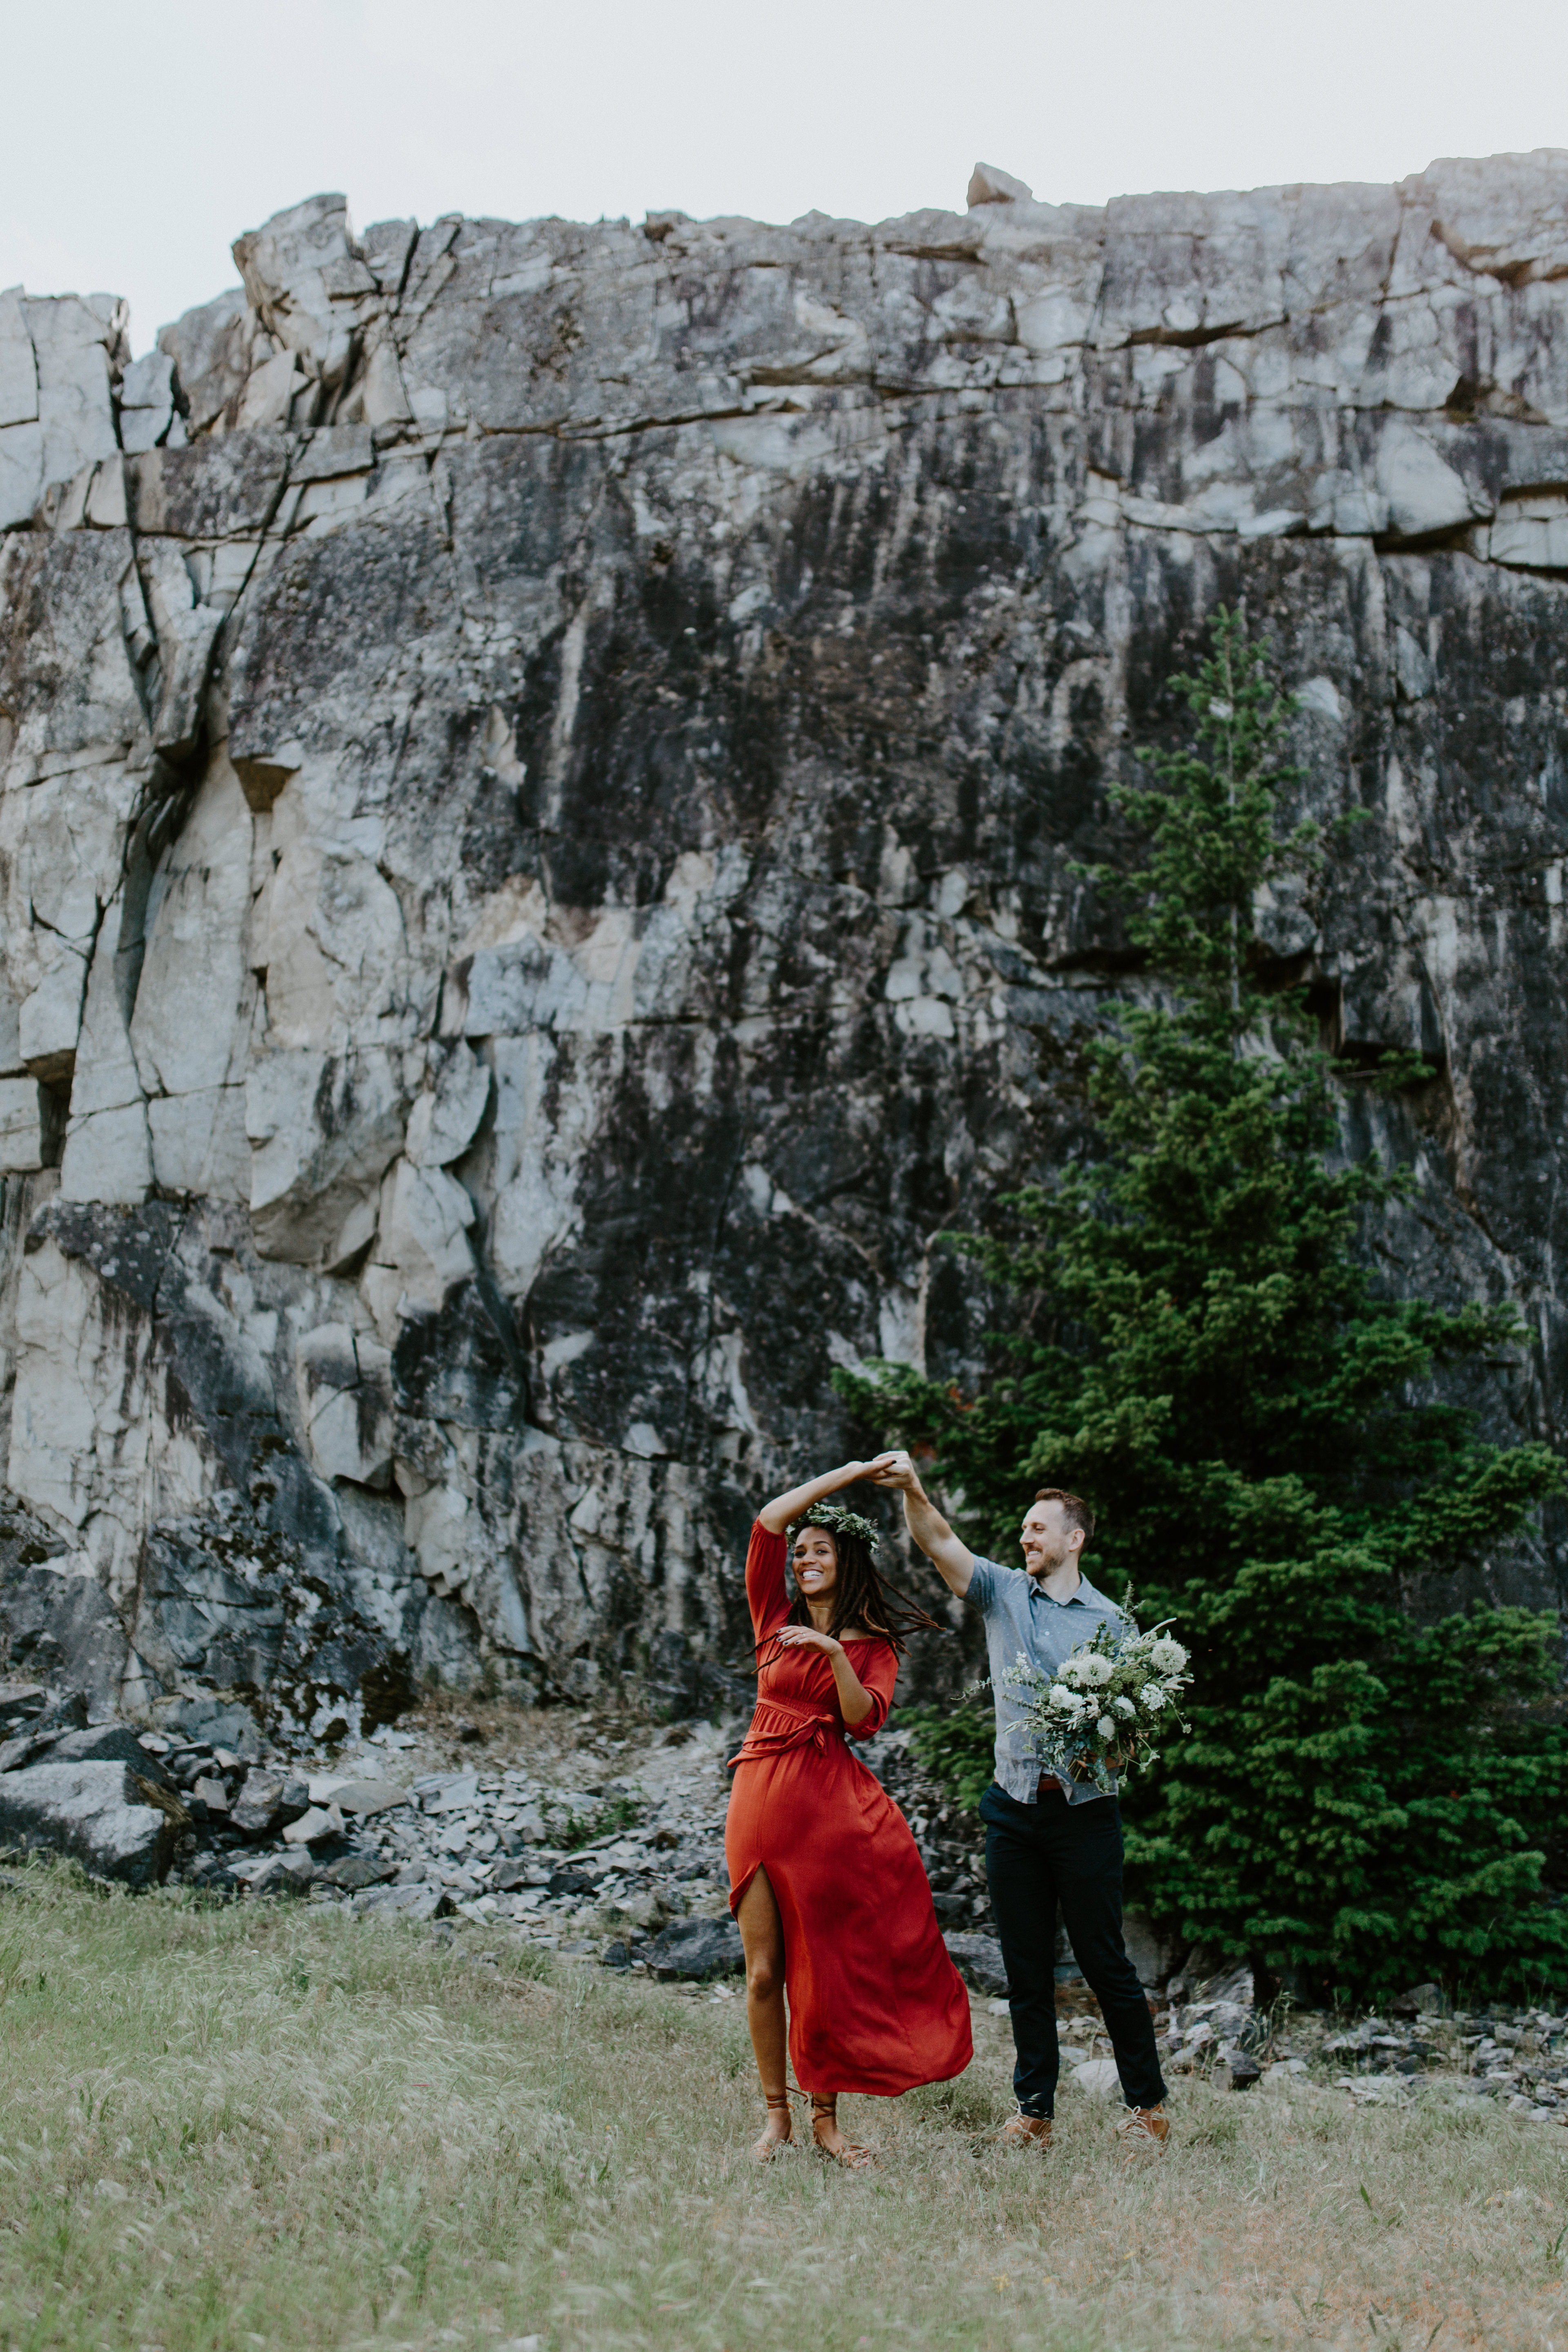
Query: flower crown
x,y
839,1520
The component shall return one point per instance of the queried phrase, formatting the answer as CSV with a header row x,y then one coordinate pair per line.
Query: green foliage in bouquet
x,y
1098,1715
1366,1796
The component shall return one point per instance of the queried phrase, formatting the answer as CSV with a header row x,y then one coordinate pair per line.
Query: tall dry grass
x,y
275,2125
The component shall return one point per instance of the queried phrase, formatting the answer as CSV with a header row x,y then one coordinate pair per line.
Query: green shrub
x,y
1201,1349
956,1745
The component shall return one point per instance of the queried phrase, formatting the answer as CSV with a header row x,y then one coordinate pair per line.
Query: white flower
x,y
1153,1698
1124,1707
1072,1671
1105,1727
1065,1702
1167,1655
1096,1669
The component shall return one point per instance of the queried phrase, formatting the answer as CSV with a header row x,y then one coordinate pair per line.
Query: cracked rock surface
x,y
541,771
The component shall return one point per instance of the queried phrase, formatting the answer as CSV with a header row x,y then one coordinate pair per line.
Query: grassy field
x,y
274,2125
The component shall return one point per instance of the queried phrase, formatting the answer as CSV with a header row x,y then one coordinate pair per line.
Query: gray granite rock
x,y
419,1902
270,1798
541,783
283,1873
116,1823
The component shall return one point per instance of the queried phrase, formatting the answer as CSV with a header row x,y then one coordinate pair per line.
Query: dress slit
x,y
875,2002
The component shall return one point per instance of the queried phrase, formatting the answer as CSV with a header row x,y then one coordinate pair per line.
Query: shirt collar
x,y
1037,1592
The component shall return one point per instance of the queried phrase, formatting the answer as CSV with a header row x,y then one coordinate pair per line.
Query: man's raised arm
x,y
953,1561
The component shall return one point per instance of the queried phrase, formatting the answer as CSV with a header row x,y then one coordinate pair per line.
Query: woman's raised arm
x,y
777,1516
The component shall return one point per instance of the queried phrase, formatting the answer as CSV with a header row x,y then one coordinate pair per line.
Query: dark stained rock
x,y
65,1629
20,1702
621,900
570,1880
352,1871
696,1948
978,1960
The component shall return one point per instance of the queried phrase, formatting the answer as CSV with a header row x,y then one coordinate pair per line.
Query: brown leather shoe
x,y
1144,2131
1025,2131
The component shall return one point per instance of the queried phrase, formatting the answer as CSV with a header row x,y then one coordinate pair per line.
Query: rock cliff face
x,y
541,771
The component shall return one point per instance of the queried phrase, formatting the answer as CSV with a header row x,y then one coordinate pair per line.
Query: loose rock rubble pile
x,y
1517,2055
616,1848
606,1842
617,1851
950,1846
604,1845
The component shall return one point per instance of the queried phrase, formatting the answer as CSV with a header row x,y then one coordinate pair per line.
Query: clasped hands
x,y
894,1469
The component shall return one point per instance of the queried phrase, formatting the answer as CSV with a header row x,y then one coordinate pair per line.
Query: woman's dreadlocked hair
x,y
861,1597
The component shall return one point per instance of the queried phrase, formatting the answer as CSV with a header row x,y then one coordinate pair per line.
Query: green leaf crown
x,y
839,1520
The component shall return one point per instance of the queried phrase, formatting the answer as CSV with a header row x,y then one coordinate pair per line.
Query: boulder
x,y
449,1792
100,1743
1098,2077
316,1822
978,1960
269,1797
113,1820
509,1875
1422,2000
284,1874
362,1797
351,1873
696,1948
213,1874
420,1902
570,1880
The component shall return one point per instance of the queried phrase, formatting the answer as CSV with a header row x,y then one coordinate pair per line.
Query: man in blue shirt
x,y
1046,1840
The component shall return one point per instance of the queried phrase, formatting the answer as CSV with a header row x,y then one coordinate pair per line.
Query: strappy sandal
x,y
769,2145
854,2156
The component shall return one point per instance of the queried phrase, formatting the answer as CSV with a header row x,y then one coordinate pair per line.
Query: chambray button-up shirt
x,y
1020,1615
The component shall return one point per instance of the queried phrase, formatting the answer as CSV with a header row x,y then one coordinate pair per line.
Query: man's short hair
x,y
1075,1510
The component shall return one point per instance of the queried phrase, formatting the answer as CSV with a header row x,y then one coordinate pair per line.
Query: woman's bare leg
x,y
762,1939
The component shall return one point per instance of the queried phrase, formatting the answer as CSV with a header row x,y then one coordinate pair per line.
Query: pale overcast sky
x,y
142,136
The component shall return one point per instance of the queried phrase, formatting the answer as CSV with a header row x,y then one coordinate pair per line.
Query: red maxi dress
x,y
875,2004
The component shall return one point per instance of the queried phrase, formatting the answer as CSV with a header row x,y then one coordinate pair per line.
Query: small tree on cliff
x,y
1363,1797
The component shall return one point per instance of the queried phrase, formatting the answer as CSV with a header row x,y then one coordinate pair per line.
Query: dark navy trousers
x,y
1037,1856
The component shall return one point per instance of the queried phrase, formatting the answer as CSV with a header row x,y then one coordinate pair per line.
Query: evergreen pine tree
x,y
1363,1797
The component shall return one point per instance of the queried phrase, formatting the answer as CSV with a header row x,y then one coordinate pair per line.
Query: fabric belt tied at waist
x,y
812,1730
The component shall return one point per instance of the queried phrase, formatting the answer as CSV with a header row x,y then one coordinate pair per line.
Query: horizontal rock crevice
x,y
543,771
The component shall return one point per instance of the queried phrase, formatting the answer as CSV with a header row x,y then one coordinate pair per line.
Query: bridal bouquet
x,y
1102,1709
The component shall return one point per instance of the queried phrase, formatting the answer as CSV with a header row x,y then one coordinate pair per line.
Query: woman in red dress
x,y
826,1886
